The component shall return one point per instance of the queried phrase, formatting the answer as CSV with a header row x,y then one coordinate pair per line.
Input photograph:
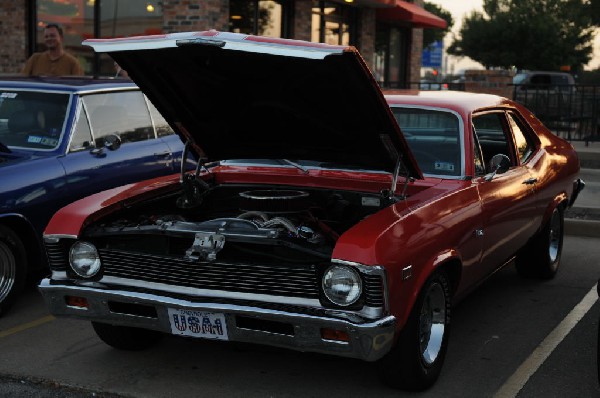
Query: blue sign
x,y
432,55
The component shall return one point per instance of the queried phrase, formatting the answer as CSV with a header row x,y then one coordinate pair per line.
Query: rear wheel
x,y
416,361
13,267
125,337
541,257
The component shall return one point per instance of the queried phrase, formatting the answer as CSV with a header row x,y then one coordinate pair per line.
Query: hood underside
x,y
246,97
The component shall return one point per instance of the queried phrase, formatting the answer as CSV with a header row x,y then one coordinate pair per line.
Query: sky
x,y
461,8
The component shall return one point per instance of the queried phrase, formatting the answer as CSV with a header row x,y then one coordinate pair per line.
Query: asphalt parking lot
x,y
496,332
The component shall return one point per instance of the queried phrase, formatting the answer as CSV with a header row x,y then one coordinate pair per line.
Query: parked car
x,y
552,96
426,85
546,81
63,139
312,222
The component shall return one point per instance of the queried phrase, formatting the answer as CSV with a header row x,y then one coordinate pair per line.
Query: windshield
x,y
32,120
434,139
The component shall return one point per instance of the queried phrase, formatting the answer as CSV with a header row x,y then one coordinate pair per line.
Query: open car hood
x,y
248,97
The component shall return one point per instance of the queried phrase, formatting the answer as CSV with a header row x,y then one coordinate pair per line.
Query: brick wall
x,y
416,50
302,20
187,15
415,54
366,35
13,30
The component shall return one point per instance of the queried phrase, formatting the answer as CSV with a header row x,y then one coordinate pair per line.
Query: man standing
x,y
54,61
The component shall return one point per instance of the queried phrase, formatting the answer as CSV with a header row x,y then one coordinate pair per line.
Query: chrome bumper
x,y
578,186
368,339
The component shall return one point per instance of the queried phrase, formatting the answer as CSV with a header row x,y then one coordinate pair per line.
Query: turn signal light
x,y
79,302
333,334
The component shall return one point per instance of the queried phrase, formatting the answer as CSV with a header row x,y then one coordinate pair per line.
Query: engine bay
x,y
269,221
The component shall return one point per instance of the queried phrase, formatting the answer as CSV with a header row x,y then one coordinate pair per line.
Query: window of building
x,y
391,56
259,17
334,23
85,19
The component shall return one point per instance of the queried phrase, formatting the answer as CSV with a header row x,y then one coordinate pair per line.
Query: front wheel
x,y
13,267
125,337
540,258
416,361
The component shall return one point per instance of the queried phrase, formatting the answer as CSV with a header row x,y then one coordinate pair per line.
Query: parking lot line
x,y
518,380
26,326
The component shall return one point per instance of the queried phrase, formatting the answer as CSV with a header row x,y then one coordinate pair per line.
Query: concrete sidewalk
x,y
583,219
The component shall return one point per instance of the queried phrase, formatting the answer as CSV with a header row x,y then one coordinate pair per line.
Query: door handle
x,y
530,181
165,154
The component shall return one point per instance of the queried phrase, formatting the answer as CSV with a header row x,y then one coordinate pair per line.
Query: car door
x,y
90,167
508,199
166,133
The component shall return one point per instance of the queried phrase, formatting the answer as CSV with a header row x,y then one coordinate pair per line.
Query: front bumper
x,y
368,339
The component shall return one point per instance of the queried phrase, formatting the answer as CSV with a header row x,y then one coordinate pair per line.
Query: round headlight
x,y
342,285
84,259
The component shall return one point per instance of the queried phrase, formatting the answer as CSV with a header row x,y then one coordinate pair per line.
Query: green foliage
x,y
528,34
589,77
433,35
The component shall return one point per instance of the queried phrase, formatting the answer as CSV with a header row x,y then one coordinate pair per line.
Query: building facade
x,y
388,33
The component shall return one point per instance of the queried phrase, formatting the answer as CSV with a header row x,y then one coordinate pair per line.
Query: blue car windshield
x,y
32,120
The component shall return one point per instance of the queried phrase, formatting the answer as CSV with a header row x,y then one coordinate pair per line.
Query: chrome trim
x,y
371,270
407,272
365,269
195,292
370,340
55,238
578,186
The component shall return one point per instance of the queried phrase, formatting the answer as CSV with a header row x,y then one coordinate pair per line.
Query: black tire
x,y
125,337
415,362
13,268
540,258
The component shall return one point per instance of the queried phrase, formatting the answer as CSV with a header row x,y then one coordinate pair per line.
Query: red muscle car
x,y
322,216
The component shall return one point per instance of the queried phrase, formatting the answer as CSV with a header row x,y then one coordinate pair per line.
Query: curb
x,y
585,228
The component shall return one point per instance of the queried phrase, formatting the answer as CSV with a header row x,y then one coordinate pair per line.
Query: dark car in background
x,y
62,139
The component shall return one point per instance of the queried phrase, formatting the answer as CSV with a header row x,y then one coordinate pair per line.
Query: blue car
x,y
62,139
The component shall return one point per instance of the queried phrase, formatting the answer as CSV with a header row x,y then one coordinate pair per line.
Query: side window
x,y
82,136
160,124
478,157
524,144
122,113
493,135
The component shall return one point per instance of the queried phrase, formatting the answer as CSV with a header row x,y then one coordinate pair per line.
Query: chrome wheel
x,y
8,271
432,323
555,236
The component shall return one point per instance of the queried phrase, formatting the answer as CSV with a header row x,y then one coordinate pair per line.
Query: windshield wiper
x,y
296,165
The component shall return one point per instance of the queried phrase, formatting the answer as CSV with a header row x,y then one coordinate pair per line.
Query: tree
x,y
594,11
433,35
528,34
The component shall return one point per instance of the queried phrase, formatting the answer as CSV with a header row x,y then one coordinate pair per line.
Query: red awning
x,y
404,11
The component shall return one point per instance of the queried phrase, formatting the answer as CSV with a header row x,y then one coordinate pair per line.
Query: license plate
x,y
207,325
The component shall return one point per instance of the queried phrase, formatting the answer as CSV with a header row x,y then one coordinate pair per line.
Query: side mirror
x,y
111,142
499,164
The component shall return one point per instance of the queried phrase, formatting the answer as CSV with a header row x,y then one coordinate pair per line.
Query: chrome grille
x,y
292,280
284,280
373,290
58,254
